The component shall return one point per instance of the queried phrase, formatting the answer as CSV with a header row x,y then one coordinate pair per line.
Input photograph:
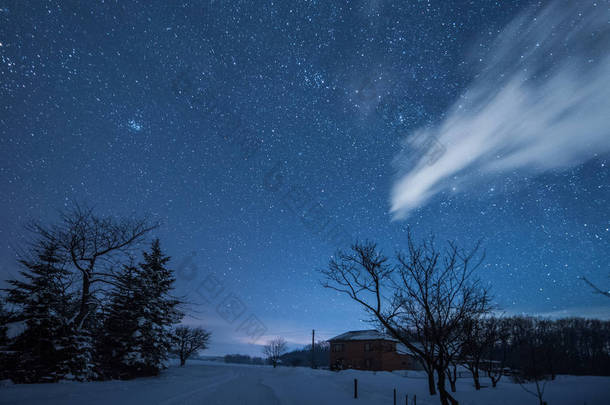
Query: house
x,y
369,350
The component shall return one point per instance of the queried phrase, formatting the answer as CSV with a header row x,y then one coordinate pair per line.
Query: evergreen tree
x,y
44,306
160,310
121,328
4,319
7,359
138,328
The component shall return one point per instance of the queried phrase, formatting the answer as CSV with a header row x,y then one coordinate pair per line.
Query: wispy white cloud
x,y
540,103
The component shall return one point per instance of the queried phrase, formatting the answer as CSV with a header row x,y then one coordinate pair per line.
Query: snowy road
x,y
218,383
189,385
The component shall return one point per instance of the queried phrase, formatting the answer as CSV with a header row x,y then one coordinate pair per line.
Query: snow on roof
x,y
363,335
402,349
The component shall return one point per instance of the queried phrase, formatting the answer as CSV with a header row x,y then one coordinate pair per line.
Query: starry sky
x,y
264,135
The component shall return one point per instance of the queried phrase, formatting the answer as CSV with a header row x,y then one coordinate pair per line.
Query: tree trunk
x,y
475,377
182,361
441,388
540,393
452,377
84,302
431,386
445,397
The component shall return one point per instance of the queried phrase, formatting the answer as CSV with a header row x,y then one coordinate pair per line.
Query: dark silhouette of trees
x,y
530,338
121,328
243,359
137,333
4,319
188,340
46,348
71,324
474,346
480,339
160,309
238,358
574,346
92,245
496,331
302,357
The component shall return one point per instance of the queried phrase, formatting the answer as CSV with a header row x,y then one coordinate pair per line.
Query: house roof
x,y
362,335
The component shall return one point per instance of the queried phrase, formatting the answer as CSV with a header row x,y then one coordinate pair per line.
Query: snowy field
x,y
217,383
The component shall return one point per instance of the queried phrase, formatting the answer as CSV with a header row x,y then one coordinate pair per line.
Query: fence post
x,y
355,388
394,396
414,399
407,399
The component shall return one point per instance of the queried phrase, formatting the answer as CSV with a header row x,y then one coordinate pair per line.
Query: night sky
x,y
265,135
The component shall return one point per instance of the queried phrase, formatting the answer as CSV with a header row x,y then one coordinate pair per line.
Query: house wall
x,y
382,356
395,361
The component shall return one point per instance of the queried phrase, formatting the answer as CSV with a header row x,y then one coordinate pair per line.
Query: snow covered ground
x,y
209,383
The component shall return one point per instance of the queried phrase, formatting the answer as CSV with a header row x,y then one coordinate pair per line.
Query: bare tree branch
x,y
596,288
433,292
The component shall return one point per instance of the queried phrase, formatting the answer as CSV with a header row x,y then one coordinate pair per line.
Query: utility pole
x,y
313,334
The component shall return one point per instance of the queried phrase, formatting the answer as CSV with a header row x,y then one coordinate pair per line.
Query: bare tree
x,y
476,344
432,293
496,332
190,340
365,276
596,288
274,350
441,285
91,244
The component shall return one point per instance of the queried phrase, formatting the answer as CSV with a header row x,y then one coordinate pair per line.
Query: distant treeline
x,y
302,357
244,359
295,358
538,346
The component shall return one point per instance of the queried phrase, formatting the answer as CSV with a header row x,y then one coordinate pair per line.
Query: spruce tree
x,y
160,311
4,319
45,307
7,359
138,327
117,343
